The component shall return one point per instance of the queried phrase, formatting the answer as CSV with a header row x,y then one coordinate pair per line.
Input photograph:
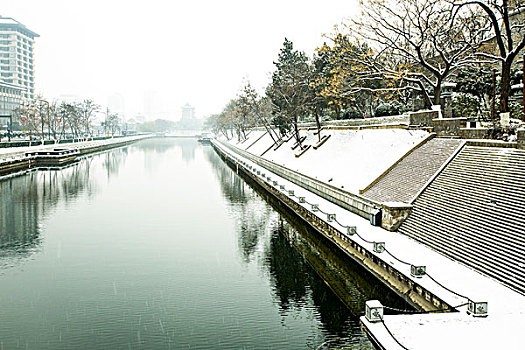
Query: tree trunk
x,y
424,93
504,88
337,110
296,130
318,123
437,94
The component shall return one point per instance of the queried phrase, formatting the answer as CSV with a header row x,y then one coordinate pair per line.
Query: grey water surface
x,y
160,245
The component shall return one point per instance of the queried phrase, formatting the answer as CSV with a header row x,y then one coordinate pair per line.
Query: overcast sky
x,y
174,52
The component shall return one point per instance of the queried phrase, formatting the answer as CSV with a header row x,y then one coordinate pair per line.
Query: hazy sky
x,y
175,52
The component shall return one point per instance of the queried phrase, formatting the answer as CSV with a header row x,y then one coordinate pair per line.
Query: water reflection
x,y
127,260
27,199
156,146
301,265
289,275
188,150
113,160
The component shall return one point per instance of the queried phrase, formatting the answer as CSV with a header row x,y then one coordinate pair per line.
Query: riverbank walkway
x,y
19,159
453,282
7,152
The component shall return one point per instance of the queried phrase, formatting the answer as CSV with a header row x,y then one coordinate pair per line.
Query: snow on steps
x,y
474,212
403,182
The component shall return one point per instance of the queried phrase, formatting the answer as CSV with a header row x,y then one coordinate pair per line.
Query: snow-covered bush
x,y
388,108
465,105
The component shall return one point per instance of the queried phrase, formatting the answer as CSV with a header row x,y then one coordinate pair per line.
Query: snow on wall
x,y
350,159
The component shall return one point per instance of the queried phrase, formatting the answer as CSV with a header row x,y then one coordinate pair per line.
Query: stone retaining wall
x,y
422,118
392,215
448,126
521,138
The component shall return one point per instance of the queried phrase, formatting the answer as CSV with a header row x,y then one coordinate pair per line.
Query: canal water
x,y
160,245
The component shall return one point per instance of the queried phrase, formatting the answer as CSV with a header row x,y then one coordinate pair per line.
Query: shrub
x,y
465,105
388,108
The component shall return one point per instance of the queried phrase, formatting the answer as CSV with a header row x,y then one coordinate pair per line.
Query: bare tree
x,y
418,42
507,27
70,117
26,115
113,123
259,107
87,110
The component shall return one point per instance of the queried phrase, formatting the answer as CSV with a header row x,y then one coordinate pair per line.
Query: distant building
x,y
10,97
188,113
17,55
188,120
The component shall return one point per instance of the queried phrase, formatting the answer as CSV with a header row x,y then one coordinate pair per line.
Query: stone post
x,y
438,109
505,119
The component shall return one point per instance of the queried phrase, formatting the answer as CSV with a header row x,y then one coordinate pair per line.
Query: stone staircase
x,y
474,212
407,178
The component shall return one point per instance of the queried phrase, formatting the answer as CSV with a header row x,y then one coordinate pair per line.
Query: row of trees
x,y
61,120
398,55
290,96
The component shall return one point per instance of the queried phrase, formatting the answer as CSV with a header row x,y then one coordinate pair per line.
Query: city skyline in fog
x,y
156,56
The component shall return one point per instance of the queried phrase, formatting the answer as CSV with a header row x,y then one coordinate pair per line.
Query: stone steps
x,y
495,268
405,180
474,212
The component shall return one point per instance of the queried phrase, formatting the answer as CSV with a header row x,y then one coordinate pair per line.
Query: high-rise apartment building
x,y
17,55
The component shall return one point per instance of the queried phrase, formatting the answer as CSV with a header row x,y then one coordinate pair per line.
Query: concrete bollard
x,y
374,311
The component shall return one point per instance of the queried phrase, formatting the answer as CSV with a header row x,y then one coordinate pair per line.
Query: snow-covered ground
x,y
350,159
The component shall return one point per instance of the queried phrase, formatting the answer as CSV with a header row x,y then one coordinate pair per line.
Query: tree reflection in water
x,y
159,145
28,198
304,269
253,214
